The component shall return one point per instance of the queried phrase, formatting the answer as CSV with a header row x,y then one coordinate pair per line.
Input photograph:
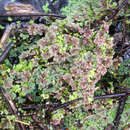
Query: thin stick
x,y
31,15
22,122
110,96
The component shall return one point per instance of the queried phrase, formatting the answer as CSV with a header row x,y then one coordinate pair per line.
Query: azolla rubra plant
x,y
61,65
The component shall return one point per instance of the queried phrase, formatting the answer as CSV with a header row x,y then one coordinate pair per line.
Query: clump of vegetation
x,y
62,62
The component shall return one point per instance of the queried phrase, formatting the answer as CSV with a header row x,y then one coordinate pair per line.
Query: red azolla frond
x,y
106,26
75,41
45,55
108,62
64,56
100,38
75,51
67,38
34,29
87,33
68,78
58,58
73,85
35,61
79,29
25,75
7,84
59,95
55,121
54,50
99,59
83,84
42,80
88,64
74,70
97,52
42,42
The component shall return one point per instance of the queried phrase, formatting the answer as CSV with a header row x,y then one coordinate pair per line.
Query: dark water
x,y
56,7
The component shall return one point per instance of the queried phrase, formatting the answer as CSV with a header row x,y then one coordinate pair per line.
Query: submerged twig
x,y
122,102
12,107
73,101
67,104
117,10
20,114
40,124
55,107
5,53
6,34
110,96
34,107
